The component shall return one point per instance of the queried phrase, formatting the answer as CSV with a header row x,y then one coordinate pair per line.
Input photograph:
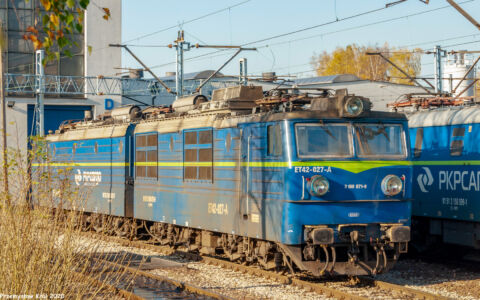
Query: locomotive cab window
x,y
198,155
456,147
417,151
380,140
274,140
146,155
323,140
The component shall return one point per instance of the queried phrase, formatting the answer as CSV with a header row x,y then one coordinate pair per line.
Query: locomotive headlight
x,y
353,107
391,185
319,185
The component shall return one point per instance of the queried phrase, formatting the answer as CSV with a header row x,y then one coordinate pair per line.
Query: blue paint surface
x,y
447,186
252,192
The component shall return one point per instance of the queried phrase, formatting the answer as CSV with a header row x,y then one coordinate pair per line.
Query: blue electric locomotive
x,y
446,154
311,182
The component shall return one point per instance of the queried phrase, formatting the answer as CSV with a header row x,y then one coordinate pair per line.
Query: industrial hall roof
x,y
193,76
326,79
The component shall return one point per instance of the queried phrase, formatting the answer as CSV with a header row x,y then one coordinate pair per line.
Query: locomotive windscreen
x,y
324,140
387,140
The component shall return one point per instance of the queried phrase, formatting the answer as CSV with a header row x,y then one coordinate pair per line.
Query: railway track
x,y
109,289
138,284
344,288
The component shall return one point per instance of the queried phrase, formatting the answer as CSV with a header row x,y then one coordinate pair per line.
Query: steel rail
x,y
104,286
181,285
108,287
319,288
395,287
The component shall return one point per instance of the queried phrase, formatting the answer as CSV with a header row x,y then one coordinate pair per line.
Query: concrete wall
x,y
99,33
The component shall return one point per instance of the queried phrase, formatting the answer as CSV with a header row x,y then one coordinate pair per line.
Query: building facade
x,y
16,16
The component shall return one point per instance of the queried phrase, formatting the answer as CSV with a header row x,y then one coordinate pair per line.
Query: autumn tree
x,y
353,59
55,25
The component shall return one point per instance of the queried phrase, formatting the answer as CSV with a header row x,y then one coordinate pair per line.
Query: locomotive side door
x,y
128,208
250,206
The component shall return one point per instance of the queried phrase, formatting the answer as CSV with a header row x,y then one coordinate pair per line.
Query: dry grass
x,y
40,252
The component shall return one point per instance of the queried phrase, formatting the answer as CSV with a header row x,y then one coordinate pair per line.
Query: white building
x,y
98,33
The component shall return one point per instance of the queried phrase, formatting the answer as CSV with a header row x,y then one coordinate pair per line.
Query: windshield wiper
x,y
322,125
382,130
369,134
328,132
364,146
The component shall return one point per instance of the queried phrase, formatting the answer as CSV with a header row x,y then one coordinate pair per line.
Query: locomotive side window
x,y
190,138
141,141
146,155
459,131
198,155
417,151
456,147
274,139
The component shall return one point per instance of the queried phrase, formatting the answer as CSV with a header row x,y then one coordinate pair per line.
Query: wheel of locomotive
x,y
125,227
84,222
156,231
227,248
100,223
231,247
173,235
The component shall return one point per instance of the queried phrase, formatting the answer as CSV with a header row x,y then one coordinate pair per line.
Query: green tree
x,y
353,59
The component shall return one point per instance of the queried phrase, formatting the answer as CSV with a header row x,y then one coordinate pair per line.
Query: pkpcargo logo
x,y
459,180
425,180
89,178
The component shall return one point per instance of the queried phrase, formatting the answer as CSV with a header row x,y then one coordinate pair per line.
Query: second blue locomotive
x,y
446,154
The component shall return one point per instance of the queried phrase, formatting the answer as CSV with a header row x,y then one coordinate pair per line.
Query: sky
x,y
333,23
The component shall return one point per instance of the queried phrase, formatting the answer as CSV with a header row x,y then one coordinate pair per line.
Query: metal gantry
x,y
26,84
41,85
39,92
181,46
439,54
55,85
243,79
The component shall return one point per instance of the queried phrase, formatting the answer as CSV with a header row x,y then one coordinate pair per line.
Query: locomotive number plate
x,y
218,208
313,169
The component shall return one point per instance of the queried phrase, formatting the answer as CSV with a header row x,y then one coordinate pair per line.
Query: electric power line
x,y
187,22
460,44
442,40
361,26
287,33
384,21
317,26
